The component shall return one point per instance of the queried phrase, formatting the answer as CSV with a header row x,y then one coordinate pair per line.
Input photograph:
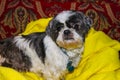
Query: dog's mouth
x,y
69,42
68,37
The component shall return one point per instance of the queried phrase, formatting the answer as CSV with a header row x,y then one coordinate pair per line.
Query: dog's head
x,y
68,29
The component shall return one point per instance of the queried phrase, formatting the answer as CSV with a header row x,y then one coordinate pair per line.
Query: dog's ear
x,y
48,29
88,21
51,26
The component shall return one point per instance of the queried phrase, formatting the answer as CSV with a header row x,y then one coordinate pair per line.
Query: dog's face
x,y
68,29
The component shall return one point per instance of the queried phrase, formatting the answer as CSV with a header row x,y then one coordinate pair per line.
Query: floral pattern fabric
x,y
16,14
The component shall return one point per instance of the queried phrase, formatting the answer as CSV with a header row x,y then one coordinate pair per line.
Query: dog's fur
x,y
50,52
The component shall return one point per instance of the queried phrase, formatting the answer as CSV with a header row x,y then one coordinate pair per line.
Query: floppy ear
x,y
51,26
48,29
88,21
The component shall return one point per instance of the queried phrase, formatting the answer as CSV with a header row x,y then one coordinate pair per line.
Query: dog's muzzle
x,y
69,40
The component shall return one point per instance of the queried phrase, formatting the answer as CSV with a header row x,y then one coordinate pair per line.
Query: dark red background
x,y
16,14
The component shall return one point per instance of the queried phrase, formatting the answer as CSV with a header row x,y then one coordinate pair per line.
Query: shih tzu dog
x,y
52,53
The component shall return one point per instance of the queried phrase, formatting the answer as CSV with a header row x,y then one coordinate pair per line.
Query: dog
x,y
52,53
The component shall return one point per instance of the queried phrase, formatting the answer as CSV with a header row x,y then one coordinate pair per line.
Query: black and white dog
x,y
52,53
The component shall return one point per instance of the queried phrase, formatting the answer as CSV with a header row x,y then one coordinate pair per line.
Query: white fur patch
x,y
1,59
75,55
24,45
56,61
63,16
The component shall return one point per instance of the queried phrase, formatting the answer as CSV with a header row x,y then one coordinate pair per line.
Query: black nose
x,y
67,32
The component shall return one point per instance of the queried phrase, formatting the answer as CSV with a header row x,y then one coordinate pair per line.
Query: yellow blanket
x,y
100,60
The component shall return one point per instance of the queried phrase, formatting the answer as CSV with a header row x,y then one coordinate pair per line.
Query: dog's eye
x,y
76,26
59,27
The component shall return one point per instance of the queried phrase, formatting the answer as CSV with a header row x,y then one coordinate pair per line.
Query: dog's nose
x,y
67,32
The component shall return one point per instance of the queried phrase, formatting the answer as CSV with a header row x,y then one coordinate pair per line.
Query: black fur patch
x,y
37,42
53,29
14,57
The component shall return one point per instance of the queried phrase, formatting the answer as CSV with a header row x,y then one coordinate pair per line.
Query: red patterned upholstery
x,y
16,14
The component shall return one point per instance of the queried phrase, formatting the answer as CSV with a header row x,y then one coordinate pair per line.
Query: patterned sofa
x,y
16,14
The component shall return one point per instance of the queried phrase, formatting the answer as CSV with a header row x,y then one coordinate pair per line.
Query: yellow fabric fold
x,y
11,74
36,26
100,59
